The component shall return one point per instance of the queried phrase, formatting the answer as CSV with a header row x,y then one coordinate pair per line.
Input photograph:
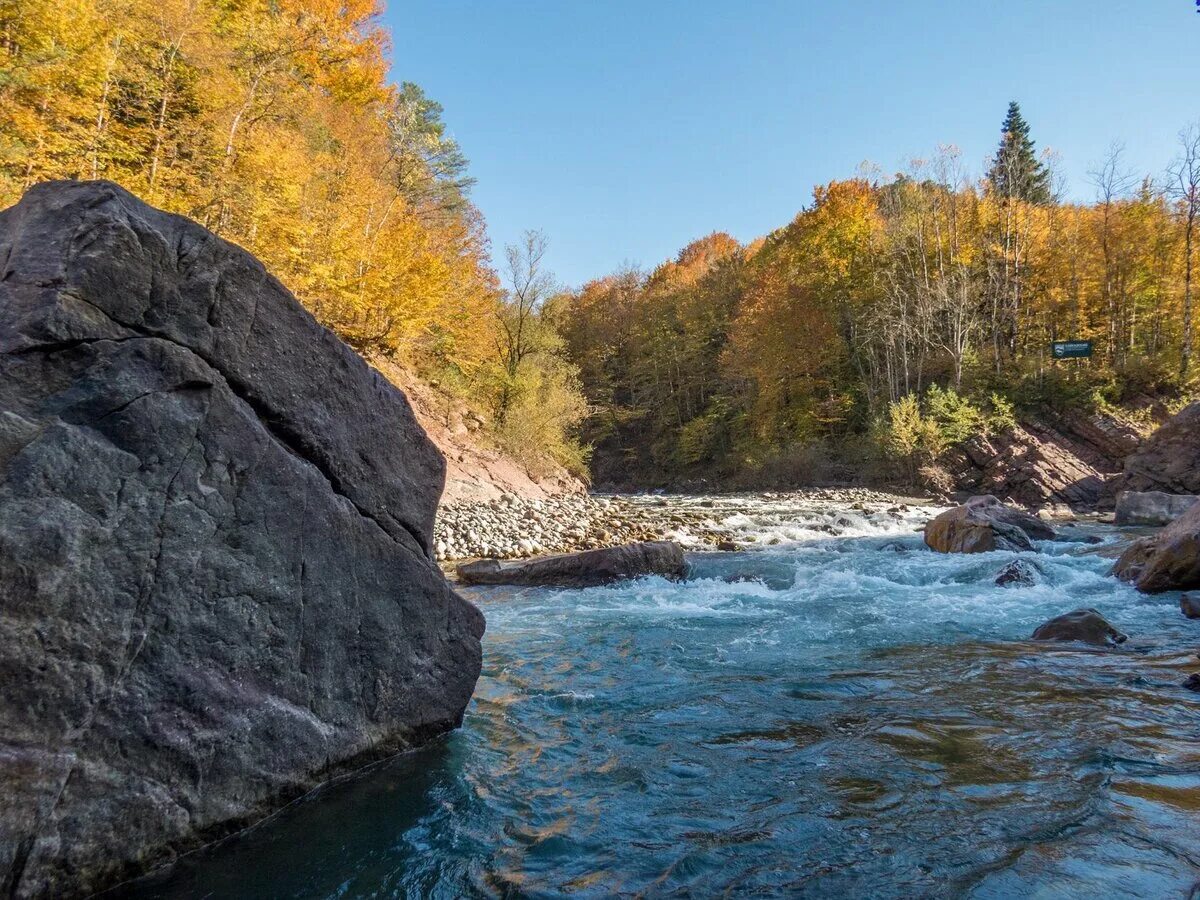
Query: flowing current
x,y
838,712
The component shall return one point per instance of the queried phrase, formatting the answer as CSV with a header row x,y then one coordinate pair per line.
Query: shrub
x,y
545,407
1001,414
936,479
919,432
811,463
955,416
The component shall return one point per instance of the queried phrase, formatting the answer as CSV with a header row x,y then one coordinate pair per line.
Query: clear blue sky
x,y
626,129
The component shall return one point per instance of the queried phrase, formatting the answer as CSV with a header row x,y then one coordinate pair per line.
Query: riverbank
x,y
843,714
512,527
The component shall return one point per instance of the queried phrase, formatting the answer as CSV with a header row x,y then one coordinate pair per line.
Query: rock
x,y
216,588
727,546
1086,625
1018,573
1133,558
1190,606
1063,460
1052,511
1077,537
1151,507
1192,682
982,524
1168,561
584,569
1169,460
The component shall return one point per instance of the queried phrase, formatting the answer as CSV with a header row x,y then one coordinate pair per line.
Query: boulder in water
x,y
584,569
1085,625
983,524
1168,561
1190,606
216,587
1018,573
1151,507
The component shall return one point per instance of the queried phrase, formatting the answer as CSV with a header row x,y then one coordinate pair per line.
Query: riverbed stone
x,y
1084,625
1018,573
983,524
1151,507
1167,561
216,525
1189,605
584,569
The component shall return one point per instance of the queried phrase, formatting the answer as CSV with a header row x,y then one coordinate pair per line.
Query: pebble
x,y
512,527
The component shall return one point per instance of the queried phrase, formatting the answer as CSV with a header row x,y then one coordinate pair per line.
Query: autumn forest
x,y
897,314
893,314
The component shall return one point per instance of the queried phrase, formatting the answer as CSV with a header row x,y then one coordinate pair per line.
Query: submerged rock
x,y
1077,537
1086,625
1018,573
983,524
1151,507
591,567
1167,561
216,587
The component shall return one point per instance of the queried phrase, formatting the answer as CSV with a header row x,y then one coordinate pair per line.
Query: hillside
x,y
478,468
895,316
277,126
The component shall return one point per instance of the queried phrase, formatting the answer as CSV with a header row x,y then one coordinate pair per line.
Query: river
x,y
829,715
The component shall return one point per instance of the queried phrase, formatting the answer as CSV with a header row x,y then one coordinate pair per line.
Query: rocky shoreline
x,y
513,528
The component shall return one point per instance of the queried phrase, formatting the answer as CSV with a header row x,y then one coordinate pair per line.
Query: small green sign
x,y
1070,349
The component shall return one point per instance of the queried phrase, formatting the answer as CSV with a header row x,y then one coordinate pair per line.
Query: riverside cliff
x,y
478,467
216,525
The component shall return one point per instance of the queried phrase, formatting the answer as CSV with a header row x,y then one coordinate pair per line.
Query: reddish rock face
x,y
1169,460
982,524
1068,461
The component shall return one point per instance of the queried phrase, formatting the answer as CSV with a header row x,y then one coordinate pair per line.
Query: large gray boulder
x,y
215,520
584,569
983,524
1151,507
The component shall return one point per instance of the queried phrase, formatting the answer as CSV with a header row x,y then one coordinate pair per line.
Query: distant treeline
x,y
272,123
833,329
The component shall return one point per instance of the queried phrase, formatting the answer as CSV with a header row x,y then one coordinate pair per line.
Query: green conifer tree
x,y
1016,172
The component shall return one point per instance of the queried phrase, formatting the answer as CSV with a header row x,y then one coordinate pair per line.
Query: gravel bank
x,y
511,527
